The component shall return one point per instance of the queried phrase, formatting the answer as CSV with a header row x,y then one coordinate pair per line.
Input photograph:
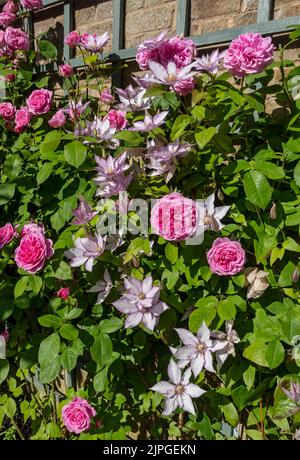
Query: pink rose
x,y
117,119
16,39
143,56
10,77
6,18
63,293
33,251
7,111
32,227
174,217
10,7
178,50
2,38
6,234
106,97
73,39
249,53
5,334
32,4
184,87
77,415
65,70
39,101
226,257
22,119
58,120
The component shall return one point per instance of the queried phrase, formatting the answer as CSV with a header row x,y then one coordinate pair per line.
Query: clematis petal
x,y
186,336
164,388
188,405
208,362
171,405
187,352
133,320
174,372
124,307
197,365
203,333
194,390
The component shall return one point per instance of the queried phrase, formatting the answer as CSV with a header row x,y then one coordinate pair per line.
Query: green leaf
x,y
257,189
179,125
205,136
291,245
10,408
206,311
21,286
47,49
69,332
51,370
101,350
226,309
12,166
7,192
285,278
69,359
297,174
4,369
230,414
63,272
274,353
110,325
132,138
171,251
75,153
270,170
256,352
255,102
249,377
35,283
44,172
100,380
49,348
50,321
283,405
50,144
137,246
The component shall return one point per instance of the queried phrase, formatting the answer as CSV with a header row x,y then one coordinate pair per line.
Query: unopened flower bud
x,y
220,195
5,334
295,277
273,211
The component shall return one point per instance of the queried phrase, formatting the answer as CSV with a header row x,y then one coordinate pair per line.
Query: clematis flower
x,y
210,217
293,393
257,282
178,392
170,75
103,287
210,62
86,250
114,187
132,99
108,168
197,349
102,131
84,213
163,158
140,302
223,343
94,42
150,122
76,109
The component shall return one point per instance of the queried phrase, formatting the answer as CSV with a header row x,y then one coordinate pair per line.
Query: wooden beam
x,y
265,10
182,18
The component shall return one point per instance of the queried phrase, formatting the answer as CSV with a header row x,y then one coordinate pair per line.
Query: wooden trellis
x,y
265,24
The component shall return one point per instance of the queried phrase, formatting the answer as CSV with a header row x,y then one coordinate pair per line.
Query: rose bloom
x,y
117,119
10,77
178,50
72,39
39,101
249,53
7,111
16,39
145,55
77,415
6,234
65,70
106,97
10,7
63,293
58,120
32,227
6,18
31,4
226,257
184,87
33,251
22,119
174,217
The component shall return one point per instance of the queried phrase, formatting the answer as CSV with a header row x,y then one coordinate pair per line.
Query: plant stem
x,y
18,429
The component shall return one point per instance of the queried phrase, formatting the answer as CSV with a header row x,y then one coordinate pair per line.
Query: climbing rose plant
x,y
149,240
